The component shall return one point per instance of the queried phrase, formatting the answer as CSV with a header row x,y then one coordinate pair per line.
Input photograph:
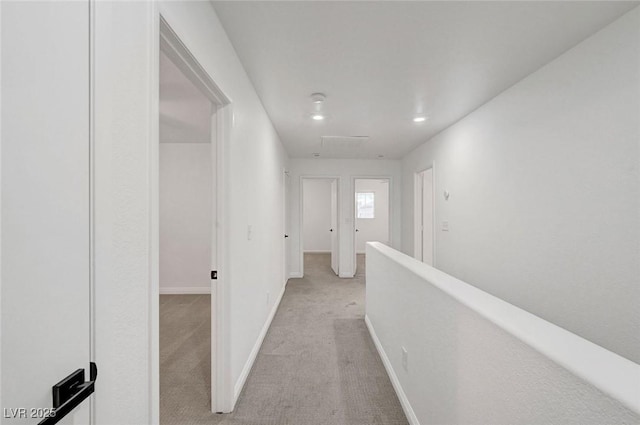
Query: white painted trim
x,y
92,204
184,290
319,251
154,212
295,275
256,348
404,401
346,275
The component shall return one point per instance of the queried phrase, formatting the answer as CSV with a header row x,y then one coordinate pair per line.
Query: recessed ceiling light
x,y
317,117
419,119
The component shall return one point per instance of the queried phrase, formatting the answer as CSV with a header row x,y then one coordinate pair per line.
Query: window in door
x,y
365,205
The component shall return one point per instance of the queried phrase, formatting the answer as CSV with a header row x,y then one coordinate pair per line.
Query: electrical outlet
x,y
405,359
445,226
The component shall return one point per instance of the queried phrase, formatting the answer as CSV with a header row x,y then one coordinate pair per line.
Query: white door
x,y
285,183
45,205
334,226
427,216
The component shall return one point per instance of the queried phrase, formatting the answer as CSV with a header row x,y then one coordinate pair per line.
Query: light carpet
x,y
317,365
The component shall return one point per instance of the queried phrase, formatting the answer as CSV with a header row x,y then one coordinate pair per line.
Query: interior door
x,y
427,216
334,226
45,205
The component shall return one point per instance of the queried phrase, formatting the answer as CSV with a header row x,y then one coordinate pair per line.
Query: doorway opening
x,y
424,202
189,216
372,215
320,227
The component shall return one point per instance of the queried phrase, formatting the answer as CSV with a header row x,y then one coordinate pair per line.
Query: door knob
x,y
286,236
331,230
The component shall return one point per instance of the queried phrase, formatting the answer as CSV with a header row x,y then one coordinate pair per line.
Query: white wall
x,y
346,170
317,215
475,359
545,191
126,96
185,217
377,228
255,176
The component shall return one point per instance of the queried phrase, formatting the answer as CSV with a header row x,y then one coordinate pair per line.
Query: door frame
x,y
178,52
286,220
354,211
417,212
301,215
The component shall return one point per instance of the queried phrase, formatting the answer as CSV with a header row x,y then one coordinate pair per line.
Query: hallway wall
x,y
255,173
346,169
545,191
126,90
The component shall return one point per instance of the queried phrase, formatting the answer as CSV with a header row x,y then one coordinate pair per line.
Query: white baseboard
x,y
184,290
256,348
295,275
404,401
312,251
345,276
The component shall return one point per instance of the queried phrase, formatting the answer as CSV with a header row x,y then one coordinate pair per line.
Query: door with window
x,y
372,214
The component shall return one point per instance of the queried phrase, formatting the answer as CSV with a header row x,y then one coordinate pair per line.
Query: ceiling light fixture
x,y
419,119
317,117
318,98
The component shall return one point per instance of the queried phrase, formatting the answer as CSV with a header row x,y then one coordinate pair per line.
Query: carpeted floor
x,y
317,365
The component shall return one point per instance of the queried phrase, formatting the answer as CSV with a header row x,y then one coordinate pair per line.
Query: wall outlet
x,y
445,226
405,359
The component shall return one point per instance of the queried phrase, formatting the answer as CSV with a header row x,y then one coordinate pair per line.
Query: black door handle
x,y
357,230
286,236
69,393
331,230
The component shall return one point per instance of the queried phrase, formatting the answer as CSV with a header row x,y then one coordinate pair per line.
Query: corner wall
x,y
544,189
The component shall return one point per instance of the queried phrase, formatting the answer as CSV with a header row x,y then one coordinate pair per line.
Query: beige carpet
x,y
317,365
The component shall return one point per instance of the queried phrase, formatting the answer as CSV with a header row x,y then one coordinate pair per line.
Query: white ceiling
x,y
185,113
381,63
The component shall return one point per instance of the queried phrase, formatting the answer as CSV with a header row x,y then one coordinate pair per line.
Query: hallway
x,y
317,365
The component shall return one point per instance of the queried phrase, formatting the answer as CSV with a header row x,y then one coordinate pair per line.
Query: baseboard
x,y
184,290
256,348
404,401
345,276
312,251
295,275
